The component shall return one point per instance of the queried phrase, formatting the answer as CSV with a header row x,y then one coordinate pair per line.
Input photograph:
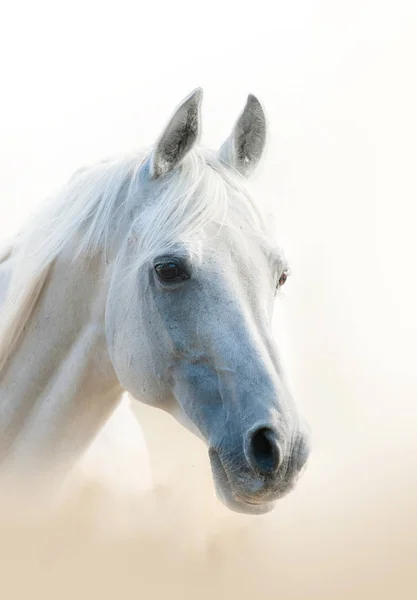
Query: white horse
x,y
154,274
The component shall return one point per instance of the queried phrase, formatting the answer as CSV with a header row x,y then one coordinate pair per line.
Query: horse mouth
x,y
232,499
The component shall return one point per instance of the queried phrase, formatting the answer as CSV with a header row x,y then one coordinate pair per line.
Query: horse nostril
x,y
263,451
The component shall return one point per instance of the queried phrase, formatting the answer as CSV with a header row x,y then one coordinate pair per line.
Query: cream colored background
x,y
83,80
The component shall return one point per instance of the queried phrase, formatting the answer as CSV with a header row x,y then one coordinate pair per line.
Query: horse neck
x,y
59,386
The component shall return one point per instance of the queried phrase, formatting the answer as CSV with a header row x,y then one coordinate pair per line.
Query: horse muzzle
x,y
253,480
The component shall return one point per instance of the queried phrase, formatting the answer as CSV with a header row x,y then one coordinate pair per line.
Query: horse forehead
x,y
234,249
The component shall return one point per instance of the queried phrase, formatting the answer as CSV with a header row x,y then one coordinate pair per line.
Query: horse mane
x,y
99,201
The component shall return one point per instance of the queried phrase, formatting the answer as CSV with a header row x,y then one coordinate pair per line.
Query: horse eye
x,y
283,278
170,271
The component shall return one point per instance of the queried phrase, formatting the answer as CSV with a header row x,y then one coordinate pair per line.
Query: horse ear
x,y
243,148
179,136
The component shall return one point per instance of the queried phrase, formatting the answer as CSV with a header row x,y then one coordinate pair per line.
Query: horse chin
x,y
228,496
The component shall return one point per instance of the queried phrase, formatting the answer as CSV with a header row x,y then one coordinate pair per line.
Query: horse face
x,y
189,330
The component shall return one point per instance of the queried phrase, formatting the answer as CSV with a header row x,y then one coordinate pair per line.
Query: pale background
x,y
84,80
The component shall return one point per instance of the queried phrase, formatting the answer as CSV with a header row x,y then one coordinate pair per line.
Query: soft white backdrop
x,y
84,80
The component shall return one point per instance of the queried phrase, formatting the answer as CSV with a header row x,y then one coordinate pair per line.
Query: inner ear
x,y
244,147
179,136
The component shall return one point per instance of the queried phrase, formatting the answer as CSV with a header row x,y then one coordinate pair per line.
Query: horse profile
x,y
153,274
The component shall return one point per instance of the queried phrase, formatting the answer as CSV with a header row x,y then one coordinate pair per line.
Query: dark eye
x,y
283,278
171,271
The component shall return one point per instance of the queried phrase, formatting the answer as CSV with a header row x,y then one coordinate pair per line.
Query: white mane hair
x,y
98,202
